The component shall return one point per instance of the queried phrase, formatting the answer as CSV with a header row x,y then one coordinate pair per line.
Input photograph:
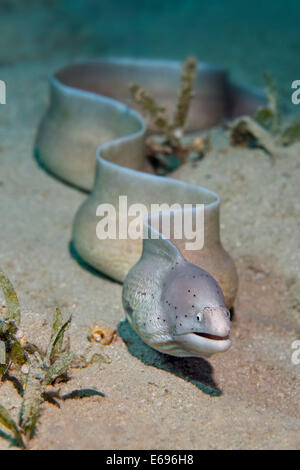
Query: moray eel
x,y
174,306
176,299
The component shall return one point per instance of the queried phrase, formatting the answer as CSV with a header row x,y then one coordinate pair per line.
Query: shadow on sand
x,y
12,441
195,370
47,170
86,266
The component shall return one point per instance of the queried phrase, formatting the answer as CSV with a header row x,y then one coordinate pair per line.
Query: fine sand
x,y
245,398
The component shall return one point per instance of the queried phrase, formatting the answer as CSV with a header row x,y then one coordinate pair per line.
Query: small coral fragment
x,y
21,338
202,145
102,334
245,130
4,311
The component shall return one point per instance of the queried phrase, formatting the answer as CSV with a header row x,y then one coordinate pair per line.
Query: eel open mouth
x,y
214,337
202,344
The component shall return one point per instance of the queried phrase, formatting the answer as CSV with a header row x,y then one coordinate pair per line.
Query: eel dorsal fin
x,y
155,243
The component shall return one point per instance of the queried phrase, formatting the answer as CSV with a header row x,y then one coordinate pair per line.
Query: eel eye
x,y
199,316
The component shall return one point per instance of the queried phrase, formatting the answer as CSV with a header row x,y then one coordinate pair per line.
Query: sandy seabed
x,y
245,398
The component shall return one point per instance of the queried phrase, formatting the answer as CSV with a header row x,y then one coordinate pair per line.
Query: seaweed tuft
x,y
34,368
267,128
168,151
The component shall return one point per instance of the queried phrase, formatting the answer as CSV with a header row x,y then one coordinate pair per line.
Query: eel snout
x,y
216,322
195,307
211,335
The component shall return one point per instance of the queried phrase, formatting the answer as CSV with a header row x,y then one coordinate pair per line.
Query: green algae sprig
x,y
34,368
267,128
168,150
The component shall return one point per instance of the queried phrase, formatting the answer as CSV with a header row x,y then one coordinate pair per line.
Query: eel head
x,y
195,310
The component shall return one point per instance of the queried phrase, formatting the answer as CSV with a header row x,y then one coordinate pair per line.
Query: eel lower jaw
x,y
213,337
203,344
